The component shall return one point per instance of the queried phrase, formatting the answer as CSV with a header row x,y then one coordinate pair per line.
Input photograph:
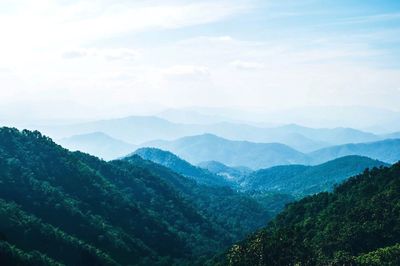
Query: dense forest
x,y
69,208
356,224
59,207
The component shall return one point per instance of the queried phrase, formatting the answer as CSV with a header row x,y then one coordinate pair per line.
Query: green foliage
x,y
11,255
59,207
272,201
234,213
389,256
356,224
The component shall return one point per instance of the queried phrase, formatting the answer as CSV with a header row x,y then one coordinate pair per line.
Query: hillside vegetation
x,y
59,207
357,224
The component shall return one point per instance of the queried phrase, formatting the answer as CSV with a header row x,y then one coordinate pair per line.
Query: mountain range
x,y
386,150
197,149
295,180
139,129
59,207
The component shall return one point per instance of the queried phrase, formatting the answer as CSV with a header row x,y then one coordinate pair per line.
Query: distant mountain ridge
x,y
139,129
98,144
196,149
386,150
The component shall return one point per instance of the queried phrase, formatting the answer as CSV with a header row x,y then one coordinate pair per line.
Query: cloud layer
x,y
120,54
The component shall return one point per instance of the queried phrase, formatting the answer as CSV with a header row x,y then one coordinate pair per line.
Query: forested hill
x,y
59,207
181,166
302,180
357,224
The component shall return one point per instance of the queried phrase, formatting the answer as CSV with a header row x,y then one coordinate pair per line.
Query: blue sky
x,y
121,57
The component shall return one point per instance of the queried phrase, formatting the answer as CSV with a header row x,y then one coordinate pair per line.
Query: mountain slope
x,y
303,180
386,150
97,144
236,212
72,208
196,149
357,224
57,186
180,166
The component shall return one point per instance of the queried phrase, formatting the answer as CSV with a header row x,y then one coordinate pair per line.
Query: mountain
x,y
132,129
300,180
273,201
362,117
196,149
386,150
98,144
182,167
236,212
206,147
60,207
245,132
356,224
230,173
394,135
337,135
139,129
301,138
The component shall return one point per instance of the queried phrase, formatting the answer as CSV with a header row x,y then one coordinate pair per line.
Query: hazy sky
x,y
81,58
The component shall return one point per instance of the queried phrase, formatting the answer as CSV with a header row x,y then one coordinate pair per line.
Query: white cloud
x,y
246,65
186,70
109,54
74,54
46,23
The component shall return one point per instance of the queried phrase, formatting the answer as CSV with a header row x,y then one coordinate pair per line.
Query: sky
x,y
92,59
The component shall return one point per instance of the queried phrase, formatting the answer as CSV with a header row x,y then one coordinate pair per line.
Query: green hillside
x,y
357,224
